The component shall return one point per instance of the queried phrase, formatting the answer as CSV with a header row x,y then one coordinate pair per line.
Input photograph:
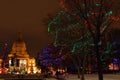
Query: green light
x,y
88,14
98,4
73,50
83,5
110,12
49,29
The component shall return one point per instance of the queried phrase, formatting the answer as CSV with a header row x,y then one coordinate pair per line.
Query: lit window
x,y
9,61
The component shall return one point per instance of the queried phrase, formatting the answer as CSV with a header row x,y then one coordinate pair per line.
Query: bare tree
x,y
96,15
70,32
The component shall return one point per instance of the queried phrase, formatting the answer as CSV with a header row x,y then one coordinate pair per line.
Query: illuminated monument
x,y
19,59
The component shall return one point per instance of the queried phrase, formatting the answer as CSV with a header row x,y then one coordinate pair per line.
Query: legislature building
x,y
19,61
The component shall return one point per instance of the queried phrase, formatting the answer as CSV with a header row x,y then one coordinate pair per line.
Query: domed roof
x,y
19,44
19,48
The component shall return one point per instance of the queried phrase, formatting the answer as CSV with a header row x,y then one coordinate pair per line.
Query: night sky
x,y
27,16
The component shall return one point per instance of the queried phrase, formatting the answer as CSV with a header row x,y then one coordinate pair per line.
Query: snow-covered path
x,y
91,77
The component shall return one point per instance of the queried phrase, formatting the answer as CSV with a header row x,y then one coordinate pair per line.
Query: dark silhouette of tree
x,y
96,14
69,28
71,34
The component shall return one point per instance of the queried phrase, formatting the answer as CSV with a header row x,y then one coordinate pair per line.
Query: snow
x,y
90,77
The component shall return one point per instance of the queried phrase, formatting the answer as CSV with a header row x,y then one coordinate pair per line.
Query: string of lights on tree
x,y
69,19
57,25
60,26
95,3
51,56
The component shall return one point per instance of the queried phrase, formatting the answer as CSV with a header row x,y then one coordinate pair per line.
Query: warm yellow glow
x,y
0,63
38,70
0,70
19,58
113,67
53,72
34,70
61,70
28,71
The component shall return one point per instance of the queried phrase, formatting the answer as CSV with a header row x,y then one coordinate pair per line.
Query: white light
x,y
9,61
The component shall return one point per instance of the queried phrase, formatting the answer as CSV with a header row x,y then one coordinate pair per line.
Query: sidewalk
x,y
90,77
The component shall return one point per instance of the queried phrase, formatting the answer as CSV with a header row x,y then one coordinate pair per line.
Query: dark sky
x,y
25,16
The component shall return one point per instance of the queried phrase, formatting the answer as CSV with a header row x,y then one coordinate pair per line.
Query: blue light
x,y
115,60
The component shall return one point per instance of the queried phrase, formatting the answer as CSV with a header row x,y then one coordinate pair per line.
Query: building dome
x,y
19,59
19,45
19,48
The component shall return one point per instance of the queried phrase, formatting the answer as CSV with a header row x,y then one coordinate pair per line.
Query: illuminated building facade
x,y
0,66
19,59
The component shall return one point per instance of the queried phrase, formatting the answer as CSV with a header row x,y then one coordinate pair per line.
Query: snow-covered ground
x,y
68,77
91,77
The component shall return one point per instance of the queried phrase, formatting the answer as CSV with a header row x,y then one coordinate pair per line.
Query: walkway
x,y
90,77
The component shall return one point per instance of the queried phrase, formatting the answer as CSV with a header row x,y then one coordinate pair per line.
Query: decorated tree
x,y
51,56
96,14
111,52
80,26
71,34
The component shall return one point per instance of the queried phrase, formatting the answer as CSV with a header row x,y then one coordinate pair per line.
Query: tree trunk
x,y
78,65
98,54
99,64
79,71
82,72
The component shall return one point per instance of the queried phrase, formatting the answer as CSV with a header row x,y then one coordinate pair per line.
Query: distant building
x,y
19,60
0,66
